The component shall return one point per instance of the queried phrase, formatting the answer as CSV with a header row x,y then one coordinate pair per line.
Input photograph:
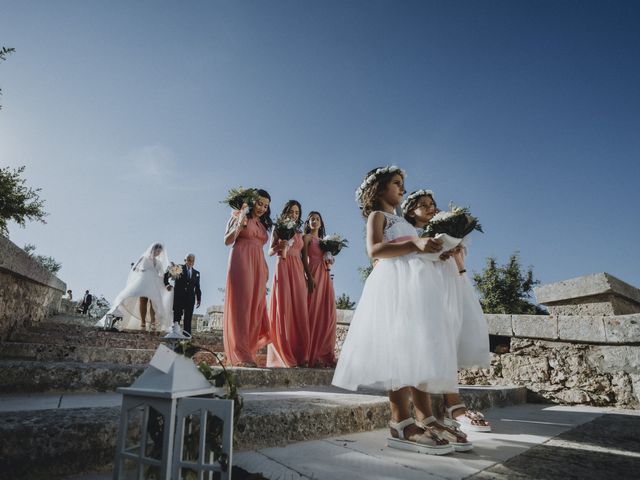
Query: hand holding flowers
x,y
451,227
285,228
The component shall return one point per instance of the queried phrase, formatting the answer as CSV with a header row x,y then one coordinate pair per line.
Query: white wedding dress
x,y
146,279
400,334
469,323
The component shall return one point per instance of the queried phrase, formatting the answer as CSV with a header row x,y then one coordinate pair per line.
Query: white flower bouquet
x,y
331,245
285,228
451,227
239,198
174,271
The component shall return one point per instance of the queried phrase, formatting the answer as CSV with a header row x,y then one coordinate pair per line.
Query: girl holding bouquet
x,y
322,302
246,323
467,318
292,282
398,340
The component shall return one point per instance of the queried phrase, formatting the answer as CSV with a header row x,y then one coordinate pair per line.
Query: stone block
x,y
622,328
581,328
344,316
535,326
596,294
615,358
499,324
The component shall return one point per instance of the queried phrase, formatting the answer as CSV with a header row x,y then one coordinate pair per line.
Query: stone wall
x,y
570,359
28,291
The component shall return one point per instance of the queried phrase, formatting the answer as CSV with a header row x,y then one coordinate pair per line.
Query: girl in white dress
x,y
145,292
398,340
466,316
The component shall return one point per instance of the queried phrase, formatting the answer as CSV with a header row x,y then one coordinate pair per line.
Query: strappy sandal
x,y
456,437
426,443
470,420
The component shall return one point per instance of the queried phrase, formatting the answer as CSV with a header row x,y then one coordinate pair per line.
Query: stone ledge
x,y
499,324
16,261
622,328
585,286
581,328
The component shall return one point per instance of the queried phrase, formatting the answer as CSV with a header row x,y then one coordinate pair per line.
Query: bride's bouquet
x,y
451,227
331,246
239,197
285,228
174,271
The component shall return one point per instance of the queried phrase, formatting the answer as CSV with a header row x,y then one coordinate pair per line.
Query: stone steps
x,y
63,441
27,376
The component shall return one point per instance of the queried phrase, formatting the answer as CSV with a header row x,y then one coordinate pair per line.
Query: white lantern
x,y
166,433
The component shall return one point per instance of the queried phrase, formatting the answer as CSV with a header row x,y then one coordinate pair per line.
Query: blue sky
x,y
135,118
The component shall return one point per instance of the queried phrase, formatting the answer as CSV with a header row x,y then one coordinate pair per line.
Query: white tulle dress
x,y
467,318
146,279
400,334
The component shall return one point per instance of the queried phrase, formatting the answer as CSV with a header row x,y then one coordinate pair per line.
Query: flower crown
x,y
370,180
413,196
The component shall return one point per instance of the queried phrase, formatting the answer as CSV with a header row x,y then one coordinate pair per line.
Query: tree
x,y
47,262
4,51
365,272
343,302
17,201
506,289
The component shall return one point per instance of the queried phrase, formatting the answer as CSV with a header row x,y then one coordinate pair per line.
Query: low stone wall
x,y
570,359
28,291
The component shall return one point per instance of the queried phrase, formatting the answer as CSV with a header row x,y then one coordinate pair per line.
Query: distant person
x,y
144,293
186,291
69,295
87,300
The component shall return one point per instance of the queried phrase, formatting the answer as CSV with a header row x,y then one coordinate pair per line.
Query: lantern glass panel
x,y
135,417
213,442
155,435
191,437
188,474
152,472
131,469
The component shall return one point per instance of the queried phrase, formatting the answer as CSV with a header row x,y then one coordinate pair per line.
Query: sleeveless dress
x,y
246,323
400,335
288,313
322,309
467,318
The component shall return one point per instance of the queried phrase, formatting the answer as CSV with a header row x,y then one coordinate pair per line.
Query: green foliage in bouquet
x,y
333,244
457,222
239,196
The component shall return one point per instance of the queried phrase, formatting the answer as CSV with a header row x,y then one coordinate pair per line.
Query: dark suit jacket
x,y
186,290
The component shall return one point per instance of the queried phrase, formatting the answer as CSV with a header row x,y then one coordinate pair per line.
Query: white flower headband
x,y
413,196
373,177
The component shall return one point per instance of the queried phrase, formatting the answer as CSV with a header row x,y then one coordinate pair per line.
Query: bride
x,y
145,291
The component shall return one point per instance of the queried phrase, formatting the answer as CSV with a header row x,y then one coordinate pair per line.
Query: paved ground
x,y
528,442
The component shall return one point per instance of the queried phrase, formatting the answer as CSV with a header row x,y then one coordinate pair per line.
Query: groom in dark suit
x,y
186,292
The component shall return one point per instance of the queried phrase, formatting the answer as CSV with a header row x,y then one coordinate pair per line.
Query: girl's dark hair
x,y
371,193
412,204
265,219
307,228
287,207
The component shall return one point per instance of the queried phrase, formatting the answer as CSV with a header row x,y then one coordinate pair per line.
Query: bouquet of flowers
x,y
331,246
239,197
174,271
285,228
451,227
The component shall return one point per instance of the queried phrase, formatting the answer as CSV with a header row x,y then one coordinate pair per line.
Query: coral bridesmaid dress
x,y
246,323
322,310
289,317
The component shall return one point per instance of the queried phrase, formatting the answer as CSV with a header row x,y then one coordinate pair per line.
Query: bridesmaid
x,y
322,302
246,323
289,317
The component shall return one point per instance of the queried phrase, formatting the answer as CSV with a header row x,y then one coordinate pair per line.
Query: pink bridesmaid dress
x,y
246,323
289,317
322,309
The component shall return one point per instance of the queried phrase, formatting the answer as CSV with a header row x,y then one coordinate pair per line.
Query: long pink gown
x,y
288,314
246,323
322,309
